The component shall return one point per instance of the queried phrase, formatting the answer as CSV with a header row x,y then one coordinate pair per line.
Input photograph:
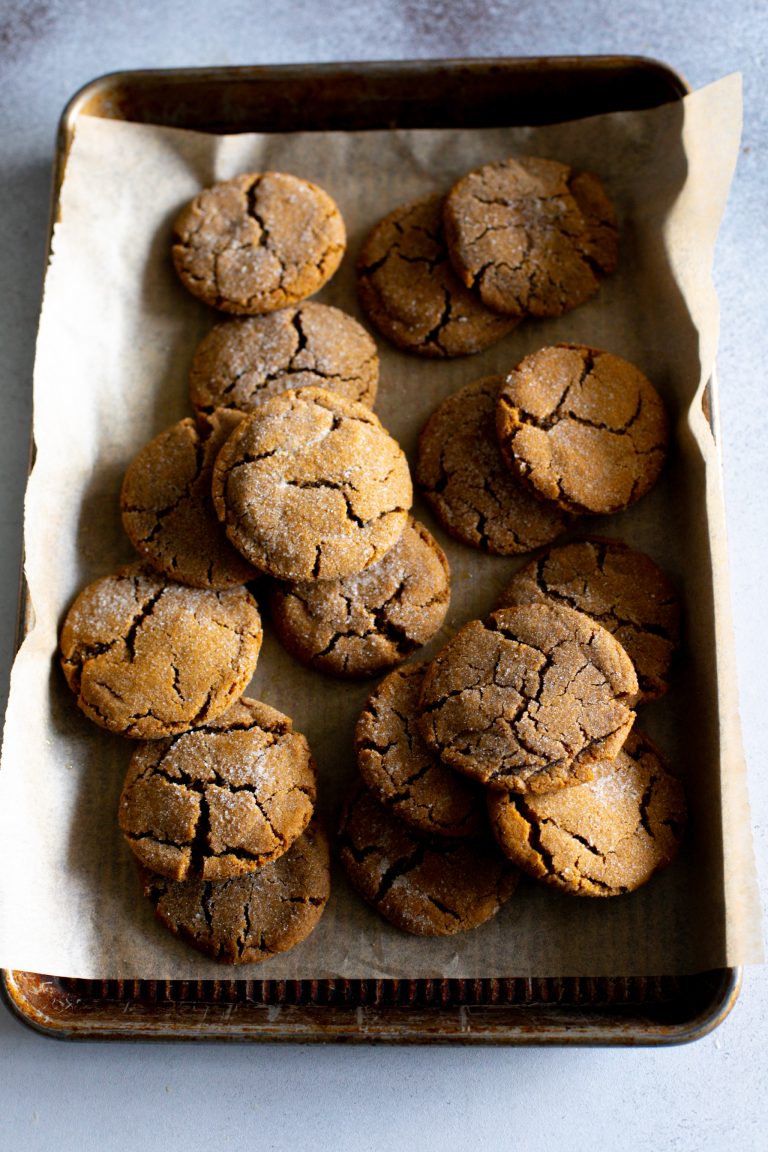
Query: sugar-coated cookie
x,y
147,657
219,800
527,699
249,918
601,838
311,487
258,242
582,428
531,236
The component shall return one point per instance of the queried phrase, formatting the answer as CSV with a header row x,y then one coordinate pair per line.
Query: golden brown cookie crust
x,y
369,622
311,487
249,918
464,479
242,362
221,800
527,699
409,290
583,428
402,773
429,887
621,588
531,236
601,838
148,658
258,242
168,512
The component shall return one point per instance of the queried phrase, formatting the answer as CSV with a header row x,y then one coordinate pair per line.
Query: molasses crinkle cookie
x,y
258,242
242,362
249,918
368,622
311,487
601,838
464,479
220,800
147,657
531,236
621,588
167,510
528,699
429,887
409,290
582,428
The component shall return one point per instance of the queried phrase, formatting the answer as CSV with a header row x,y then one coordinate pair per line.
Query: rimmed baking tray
x,y
552,1010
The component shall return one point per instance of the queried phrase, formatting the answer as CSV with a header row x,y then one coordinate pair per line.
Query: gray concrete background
x,y
709,1095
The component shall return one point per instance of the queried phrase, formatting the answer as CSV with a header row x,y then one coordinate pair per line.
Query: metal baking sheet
x,y
580,1010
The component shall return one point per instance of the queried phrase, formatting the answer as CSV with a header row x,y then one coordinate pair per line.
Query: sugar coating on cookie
x,y
366,623
583,428
167,509
147,657
429,887
242,362
258,242
403,773
531,236
527,699
222,799
248,919
311,487
621,588
601,838
409,290
464,479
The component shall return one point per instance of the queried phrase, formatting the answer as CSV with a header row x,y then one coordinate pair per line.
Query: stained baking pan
x,y
573,1010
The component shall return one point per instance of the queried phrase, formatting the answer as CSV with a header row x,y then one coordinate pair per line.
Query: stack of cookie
x,y
523,237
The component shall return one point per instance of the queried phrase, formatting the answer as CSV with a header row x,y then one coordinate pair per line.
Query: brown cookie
x,y
249,918
220,800
427,887
363,624
528,699
621,588
311,487
531,236
258,242
241,363
601,838
167,510
583,428
149,658
466,482
410,291
402,773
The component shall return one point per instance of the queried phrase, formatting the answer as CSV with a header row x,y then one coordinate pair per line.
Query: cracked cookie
x,y
621,588
311,487
528,699
424,886
249,918
409,290
366,623
147,657
531,236
258,242
221,800
583,428
167,510
465,481
402,773
601,838
242,362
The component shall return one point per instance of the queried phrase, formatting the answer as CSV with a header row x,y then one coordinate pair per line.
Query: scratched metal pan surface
x,y
545,1010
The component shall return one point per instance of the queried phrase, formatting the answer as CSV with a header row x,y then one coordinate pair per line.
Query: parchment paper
x,y
116,338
